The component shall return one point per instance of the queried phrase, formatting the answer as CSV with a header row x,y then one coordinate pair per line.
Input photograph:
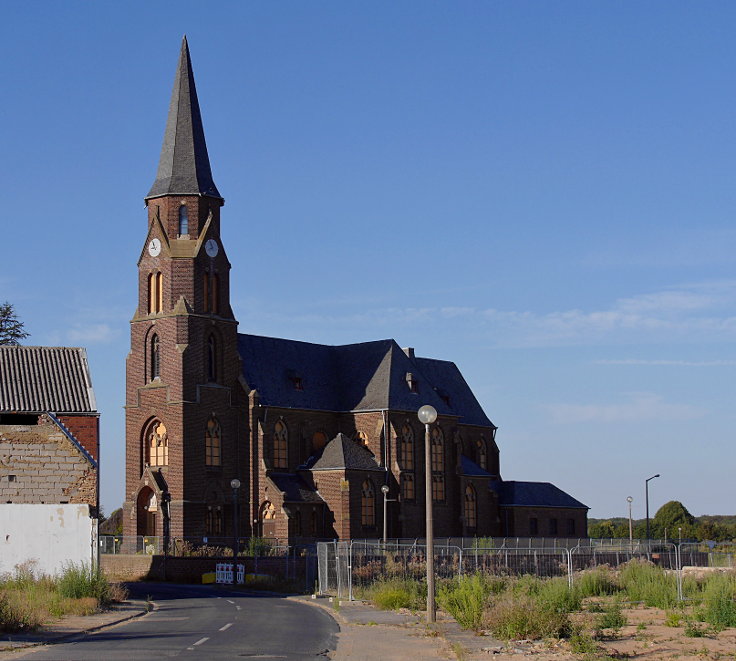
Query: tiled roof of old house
x,y
40,379
533,494
294,488
354,377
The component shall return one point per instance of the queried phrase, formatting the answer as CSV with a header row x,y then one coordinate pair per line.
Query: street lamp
x,y
235,484
427,415
630,500
384,491
646,490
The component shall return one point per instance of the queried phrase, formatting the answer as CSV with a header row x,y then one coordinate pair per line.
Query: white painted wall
x,y
52,535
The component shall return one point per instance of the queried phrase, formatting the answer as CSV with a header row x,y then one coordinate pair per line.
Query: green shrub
x,y
18,614
672,619
397,593
719,608
526,585
557,594
79,581
643,581
598,582
514,617
612,619
465,599
583,643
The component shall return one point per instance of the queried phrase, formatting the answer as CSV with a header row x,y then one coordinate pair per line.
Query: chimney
x,y
409,351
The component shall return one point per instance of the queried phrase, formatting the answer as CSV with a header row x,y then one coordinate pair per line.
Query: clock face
x,y
154,247
211,247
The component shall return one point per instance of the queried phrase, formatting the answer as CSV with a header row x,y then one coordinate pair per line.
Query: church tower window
x,y
212,444
155,358
211,359
407,448
215,294
157,444
155,292
470,510
280,445
183,221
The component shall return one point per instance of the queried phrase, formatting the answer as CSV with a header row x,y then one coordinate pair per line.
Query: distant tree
x,y
11,328
670,517
602,530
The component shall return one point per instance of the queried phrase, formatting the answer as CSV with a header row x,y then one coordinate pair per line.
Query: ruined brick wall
x,y
39,464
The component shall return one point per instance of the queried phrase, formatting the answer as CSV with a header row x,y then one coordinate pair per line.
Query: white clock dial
x,y
154,247
211,248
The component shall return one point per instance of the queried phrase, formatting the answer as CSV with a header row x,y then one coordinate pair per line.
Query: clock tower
x,y
185,405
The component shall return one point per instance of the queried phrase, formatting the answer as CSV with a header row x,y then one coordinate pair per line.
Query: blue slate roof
x,y
471,469
354,377
342,453
533,494
294,488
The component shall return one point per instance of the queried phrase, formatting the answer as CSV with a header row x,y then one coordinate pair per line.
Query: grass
x,y
513,617
27,601
396,593
465,599
719,607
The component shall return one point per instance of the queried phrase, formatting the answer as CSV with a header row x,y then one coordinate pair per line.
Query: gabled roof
x,y
184,166
40,379
470,469
533,494
342,453
294,488
367,376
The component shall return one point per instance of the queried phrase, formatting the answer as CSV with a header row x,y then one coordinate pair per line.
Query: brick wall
x,y
39,464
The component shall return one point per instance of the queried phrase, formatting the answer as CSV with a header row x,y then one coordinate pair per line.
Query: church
x,y
235,434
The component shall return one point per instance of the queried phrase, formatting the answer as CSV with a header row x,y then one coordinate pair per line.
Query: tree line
x,y
672,521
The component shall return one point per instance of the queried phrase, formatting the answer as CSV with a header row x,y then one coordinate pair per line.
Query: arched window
x,y
438,449
319,440
280,445
155,357
213,522
211,359
215,294
314,524
407,486
212,444
298,523
481,453
183,220
151,293
157,444
361,438
368,505
407,448
470,510
159,292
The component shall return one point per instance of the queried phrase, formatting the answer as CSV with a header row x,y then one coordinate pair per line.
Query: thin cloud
x,y
91,334
638,407
673,363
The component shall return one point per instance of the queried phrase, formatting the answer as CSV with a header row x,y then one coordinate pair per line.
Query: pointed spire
x,y
184,167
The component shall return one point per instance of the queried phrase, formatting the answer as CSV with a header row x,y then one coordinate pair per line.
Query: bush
x,y
18,614
612,619
719,608
557,594
643,581
397,593
465,600
80,581
523,616
598,582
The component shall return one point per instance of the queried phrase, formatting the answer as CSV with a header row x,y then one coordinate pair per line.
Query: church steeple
x,y
184,166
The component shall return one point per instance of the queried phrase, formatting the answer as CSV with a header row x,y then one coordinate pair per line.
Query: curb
x,y
7,645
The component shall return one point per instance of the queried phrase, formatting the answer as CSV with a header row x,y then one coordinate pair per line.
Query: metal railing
x,y
342,566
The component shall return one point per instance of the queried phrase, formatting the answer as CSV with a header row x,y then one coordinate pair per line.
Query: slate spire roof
x,y
184,166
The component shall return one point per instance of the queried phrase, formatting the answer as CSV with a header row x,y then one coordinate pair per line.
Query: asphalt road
x,y
203,622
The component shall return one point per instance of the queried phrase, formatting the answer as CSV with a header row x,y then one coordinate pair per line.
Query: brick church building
x,y
308,434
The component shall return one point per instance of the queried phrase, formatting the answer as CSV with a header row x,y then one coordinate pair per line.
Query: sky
x,y
541,192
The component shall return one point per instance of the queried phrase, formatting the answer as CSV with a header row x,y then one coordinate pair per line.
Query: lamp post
x,y
235,484
427,415
630,500
386,499
646,491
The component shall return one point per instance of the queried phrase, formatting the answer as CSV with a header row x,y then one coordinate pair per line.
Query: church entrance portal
x,y
147,511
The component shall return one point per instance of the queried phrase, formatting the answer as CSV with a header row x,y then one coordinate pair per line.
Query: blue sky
x,y
541,192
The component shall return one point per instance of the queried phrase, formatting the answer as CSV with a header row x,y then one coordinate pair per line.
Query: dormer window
x,y
295,379
183,220
443,395
412,383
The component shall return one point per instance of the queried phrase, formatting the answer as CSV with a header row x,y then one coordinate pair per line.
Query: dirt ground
x,y
645,637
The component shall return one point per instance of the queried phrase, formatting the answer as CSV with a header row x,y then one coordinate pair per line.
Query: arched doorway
x,y
267,517
147,511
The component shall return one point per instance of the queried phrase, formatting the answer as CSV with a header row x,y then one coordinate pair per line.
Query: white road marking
x,y
238,607
201,640
226,627
229,602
